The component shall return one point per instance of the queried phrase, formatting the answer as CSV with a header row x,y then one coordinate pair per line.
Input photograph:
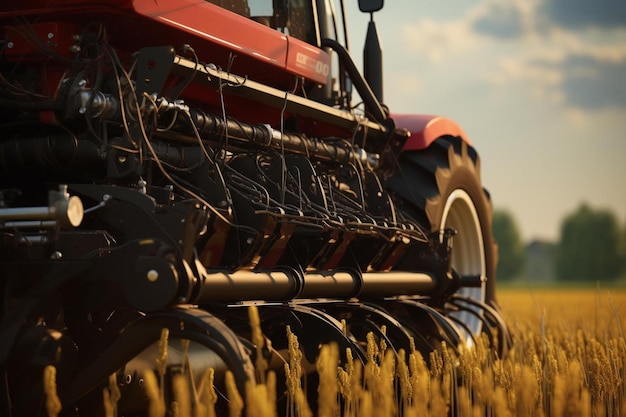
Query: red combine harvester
x,y
166,163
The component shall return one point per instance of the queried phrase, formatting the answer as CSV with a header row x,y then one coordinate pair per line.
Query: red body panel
x,y
198,18
214,33
426,128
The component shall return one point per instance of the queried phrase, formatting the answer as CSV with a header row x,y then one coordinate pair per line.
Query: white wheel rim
x,y
468,250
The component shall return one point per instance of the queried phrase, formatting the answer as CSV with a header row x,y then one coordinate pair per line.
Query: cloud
x,y
583,81
592,83
437,40
488,21
542,78
583,14
568,52
500,19
554,52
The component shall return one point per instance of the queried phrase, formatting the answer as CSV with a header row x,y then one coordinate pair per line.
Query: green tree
x,y
589,247
510,247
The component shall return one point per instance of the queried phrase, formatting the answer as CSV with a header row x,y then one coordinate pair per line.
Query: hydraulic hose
x,y
369,98
215,128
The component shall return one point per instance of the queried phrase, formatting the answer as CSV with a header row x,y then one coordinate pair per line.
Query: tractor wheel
x,y
440,187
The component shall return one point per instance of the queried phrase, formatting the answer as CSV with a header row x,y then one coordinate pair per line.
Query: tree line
x,y
591,246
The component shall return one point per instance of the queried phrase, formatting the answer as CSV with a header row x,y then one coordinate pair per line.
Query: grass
x,y
568,359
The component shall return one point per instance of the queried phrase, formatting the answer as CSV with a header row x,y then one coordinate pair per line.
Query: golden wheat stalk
x,y
235,404
328,389
207,397
156,404
111,396
53,402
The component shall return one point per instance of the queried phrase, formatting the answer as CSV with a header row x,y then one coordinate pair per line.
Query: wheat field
x,y
568,359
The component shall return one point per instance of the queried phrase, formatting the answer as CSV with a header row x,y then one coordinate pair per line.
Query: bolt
x,y
152,275
50,35
82,110
56,255
82,83
10,45
128,379
121,159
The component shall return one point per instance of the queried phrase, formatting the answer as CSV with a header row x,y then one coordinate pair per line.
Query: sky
x,y
539,86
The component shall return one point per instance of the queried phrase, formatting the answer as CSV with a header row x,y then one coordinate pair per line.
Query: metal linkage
x,y
62,211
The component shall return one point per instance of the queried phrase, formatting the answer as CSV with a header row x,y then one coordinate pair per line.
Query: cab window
x,y
292,17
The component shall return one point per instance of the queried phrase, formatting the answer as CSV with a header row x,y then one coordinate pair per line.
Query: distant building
x,y
540,261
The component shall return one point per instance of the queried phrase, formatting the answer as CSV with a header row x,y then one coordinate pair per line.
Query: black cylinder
x,y
373,61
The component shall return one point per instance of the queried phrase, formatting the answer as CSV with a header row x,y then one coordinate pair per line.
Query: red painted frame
x,y
214,32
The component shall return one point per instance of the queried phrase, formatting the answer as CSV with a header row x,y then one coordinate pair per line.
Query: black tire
x,y
440,187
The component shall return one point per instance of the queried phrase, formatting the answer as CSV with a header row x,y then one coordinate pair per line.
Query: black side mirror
x,y
370,6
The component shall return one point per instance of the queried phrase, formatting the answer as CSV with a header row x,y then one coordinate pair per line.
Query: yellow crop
x,y
568,359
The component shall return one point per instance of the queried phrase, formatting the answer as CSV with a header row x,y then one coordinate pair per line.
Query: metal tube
x,y
65,212
388,284
248,285
373,61
289,285
213,127
29,224
331,284
27,213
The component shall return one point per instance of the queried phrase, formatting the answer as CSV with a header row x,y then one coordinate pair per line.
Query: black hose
x,y
369,98
213,127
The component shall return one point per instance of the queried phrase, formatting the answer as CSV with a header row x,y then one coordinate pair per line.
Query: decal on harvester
x,y
308,61
312,64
